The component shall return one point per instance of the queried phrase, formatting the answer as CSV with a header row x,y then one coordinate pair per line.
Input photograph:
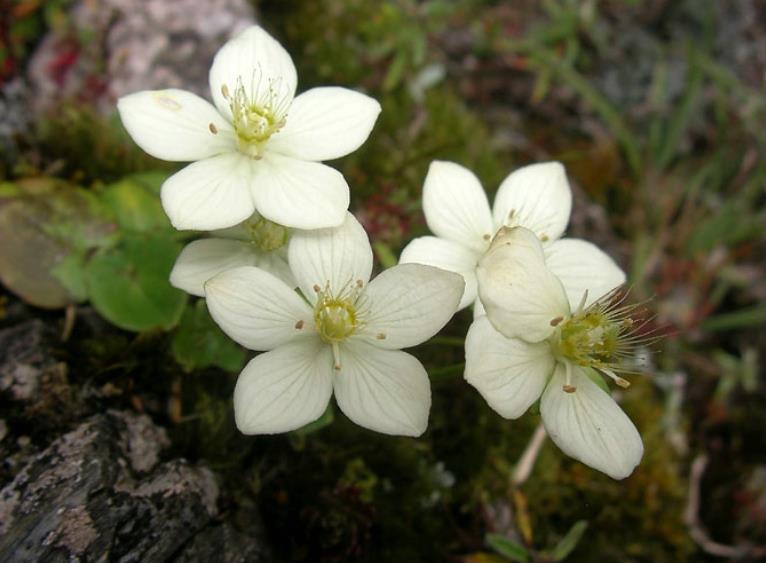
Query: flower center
x,y
602,337
587,338
266,235
335,319
255,117
338,316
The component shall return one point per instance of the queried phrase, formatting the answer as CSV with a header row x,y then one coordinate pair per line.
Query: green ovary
x,y
335,319
254,124
267,235
589,339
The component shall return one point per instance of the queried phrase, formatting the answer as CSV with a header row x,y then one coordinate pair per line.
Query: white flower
x,y
255,242
533,343
259,148
457,211
341,335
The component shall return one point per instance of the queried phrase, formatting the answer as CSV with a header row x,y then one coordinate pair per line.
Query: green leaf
x,y
385,255
395,71
129,284
569,541
199,343
136,206
743,318
45,229
152,180
507,547
70,272
8,189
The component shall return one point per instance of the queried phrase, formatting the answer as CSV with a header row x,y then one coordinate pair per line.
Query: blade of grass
x,y
596,100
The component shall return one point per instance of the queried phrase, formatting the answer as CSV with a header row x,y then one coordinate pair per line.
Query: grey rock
x,y
115,47
100,493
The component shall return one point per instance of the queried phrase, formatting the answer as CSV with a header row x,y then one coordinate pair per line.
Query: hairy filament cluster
x,y
603,336
337,317
255,116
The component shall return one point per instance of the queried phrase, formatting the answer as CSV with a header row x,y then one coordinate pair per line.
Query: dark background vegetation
x,y
658,111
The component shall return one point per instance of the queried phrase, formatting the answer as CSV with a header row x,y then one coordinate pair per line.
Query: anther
x,y
225,91
569,388
624,383
556,321
380,336
487,237
317,288
213,129
299,324
544,237
359,284
511,213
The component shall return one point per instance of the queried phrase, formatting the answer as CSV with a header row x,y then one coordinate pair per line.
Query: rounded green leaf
x,y
129,286
136,206
199,343
47,227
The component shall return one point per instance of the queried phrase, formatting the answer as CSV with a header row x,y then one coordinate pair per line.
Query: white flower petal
x,y
175,125
383,390
478,309
539,197
447,255
326,123
521,296
260,64
275,263
509,373
202,259
284,389
582,266
337,257
456,206
256,309
300,194
408,304
589,426
209,194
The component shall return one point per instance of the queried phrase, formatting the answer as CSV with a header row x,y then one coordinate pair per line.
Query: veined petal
x,y
256,309
209,194
326,123
408,304
447,255
582,266
537,197
300,194
257,62
456,206
204,258
336,257
521,296
175,125
383,390
284,389
509,373
275,263
589,426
